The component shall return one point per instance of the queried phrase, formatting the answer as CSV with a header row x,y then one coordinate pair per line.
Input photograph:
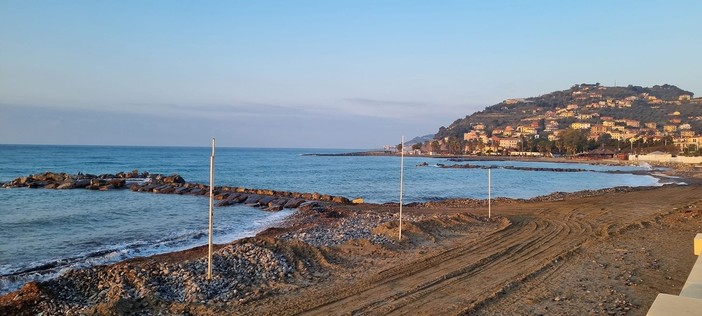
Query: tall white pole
x,y
402,174
209,250
489,195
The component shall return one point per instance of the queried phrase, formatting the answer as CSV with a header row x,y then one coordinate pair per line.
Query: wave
x,y
13,277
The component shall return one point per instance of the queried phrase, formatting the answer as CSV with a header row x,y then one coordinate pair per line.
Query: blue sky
x,y
341,74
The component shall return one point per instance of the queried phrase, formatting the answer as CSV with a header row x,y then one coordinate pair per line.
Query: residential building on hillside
x,y
689,142
687,133
598,129
580,125
633,123
527,130
616,135
470,135
509,142
566,114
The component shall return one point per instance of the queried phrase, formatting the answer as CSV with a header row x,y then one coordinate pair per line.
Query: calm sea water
x,y
45,232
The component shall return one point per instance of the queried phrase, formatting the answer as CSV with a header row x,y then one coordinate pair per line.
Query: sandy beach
x,y
607,252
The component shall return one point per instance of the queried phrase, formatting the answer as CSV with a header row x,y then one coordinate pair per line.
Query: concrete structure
x,y
658,156
666,304
526,153
689,302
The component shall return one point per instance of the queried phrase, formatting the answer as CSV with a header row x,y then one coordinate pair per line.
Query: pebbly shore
x,y
297,253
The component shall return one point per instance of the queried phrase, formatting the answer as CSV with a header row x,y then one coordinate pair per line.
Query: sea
x,y
47,232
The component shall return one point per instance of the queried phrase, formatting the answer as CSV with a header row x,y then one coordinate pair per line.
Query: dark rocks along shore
x,y
269,200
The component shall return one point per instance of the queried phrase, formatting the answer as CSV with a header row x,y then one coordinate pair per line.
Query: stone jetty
x,y
269,200
469,166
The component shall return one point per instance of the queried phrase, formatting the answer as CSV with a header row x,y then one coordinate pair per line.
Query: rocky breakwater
x,y
269,200
469,166
64,181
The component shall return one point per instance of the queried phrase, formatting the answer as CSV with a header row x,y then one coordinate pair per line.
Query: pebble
x,y
242,270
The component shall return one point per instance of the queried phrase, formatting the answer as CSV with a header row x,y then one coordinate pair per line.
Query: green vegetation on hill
x,y
654,104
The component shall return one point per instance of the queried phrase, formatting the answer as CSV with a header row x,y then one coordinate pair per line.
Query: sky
x,y
315,74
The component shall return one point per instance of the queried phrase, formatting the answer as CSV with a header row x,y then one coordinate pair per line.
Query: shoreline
x,y
690,173
320,238
306,250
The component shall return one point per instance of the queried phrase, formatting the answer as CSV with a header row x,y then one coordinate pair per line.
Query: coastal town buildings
x,y
601,114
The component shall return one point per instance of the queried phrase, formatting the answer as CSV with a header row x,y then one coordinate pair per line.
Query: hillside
x,y
586,103
586,117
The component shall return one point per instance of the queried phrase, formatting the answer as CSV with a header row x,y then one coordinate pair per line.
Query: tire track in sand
x,y
461,278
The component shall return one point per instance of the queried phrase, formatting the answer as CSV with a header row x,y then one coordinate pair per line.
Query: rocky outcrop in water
x,y
64,181
269,200
469,166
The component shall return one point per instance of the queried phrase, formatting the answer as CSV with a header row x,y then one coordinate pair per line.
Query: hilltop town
x,y
587,119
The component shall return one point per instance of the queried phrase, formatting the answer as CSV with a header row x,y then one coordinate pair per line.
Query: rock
x,y
181,190
265,200
222,196
279,201
66,185
358,200
51,186
252,199
167,190
274,208
294,203
117,183
81,183
174,178
340,200
264,192
34,185
240,198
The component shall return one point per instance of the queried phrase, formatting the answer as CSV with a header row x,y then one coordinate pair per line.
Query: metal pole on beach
x,y
209,248
489,197
402,173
